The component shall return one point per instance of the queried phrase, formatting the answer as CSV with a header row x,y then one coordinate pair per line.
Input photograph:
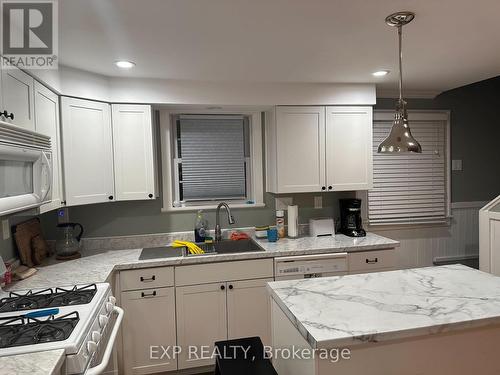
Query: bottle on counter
x,y
200,227
280,223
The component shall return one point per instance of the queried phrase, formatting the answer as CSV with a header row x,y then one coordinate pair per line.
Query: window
x,y
212,158
411,188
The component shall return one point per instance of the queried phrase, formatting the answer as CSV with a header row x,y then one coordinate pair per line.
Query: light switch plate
x,y
456,165
5,229
318,202
282,203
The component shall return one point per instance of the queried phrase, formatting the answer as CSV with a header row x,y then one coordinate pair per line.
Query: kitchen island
x,y
435,320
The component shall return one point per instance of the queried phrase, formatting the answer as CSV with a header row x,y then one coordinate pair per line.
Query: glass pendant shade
x,y
400,139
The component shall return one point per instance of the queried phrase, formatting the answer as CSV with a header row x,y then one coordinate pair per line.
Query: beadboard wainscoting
x,y
421,245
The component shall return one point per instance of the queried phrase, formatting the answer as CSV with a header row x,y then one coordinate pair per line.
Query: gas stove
x,y
85,321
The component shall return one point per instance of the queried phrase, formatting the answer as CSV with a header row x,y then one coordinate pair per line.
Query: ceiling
x,y
449,44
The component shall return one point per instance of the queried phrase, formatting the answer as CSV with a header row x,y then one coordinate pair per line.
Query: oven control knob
x,y
91,347
96,336
103,320
112,300
109,306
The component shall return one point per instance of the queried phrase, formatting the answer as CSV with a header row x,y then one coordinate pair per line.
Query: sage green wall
x,y
136,217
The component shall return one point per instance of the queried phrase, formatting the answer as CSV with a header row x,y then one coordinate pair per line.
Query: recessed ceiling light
x,y
124,64
380,73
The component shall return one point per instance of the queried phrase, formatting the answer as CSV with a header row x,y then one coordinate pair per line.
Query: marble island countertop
x,y
343,311
97,266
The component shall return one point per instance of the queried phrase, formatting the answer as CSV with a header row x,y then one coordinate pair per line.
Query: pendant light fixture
x,y
400,139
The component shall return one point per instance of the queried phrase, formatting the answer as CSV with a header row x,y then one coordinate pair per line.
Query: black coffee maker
x,y
351,223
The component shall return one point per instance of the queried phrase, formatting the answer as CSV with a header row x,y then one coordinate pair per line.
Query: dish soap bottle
x,y
200,227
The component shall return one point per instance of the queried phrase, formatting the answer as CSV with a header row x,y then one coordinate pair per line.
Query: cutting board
x,y
32,247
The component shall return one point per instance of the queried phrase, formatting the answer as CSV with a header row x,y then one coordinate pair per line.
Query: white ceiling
x,y
450,43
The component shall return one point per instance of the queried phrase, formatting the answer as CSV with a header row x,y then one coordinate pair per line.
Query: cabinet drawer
x,y
223,271
372,260
146,278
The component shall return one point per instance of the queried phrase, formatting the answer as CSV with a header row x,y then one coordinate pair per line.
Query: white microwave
x,y
25,169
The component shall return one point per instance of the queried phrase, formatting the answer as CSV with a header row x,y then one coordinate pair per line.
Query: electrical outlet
x,y
456,165
5,229
282,203
318,202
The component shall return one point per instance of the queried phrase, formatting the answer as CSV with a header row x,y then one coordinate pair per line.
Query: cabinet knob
x,y
11,116
150,195
330,187
323,188
110,197
230,286
222,287
4,113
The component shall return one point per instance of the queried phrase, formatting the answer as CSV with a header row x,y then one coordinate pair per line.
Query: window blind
x,y
212,156
410,188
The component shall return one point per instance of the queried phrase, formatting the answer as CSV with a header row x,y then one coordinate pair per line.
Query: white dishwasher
x,y
307,266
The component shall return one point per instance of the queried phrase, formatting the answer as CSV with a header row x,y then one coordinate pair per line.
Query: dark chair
x,y
234,360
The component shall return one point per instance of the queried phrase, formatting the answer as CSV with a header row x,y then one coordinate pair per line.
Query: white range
x,y
85,323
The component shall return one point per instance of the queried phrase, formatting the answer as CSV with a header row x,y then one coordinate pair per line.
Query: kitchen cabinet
x,y
133,152
248,310
319,149
298,148
201,321
87,151
17,98
47,122
349,154
148,326
217,301
372,261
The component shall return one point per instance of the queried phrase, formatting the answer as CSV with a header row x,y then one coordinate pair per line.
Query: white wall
x,y
420,246
79,83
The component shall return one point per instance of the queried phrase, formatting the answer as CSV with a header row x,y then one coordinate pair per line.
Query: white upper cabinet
x,y
17,98
319,149
349,155
47,122
299,149
87,151
133,152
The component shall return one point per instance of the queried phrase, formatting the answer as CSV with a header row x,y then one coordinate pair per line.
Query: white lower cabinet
x,y
201,320
148,325
248,310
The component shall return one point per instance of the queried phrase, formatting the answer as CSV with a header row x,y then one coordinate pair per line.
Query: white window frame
x,y
256,183
420,115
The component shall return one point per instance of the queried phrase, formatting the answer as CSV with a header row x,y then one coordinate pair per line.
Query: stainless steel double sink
x,y
221,247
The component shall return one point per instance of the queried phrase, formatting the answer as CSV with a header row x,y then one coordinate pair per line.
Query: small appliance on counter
x,y
323,226
69,245
351,222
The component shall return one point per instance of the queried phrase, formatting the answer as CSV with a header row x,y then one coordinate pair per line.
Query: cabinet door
x,y
148,325
87,151
300,149
133,152
201,321
17,98
47,122
248,310
349,154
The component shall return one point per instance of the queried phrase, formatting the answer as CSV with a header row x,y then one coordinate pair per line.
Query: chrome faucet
x,y
230,219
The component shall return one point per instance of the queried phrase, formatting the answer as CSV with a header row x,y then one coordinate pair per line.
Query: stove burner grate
x,y
29,331
48,298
